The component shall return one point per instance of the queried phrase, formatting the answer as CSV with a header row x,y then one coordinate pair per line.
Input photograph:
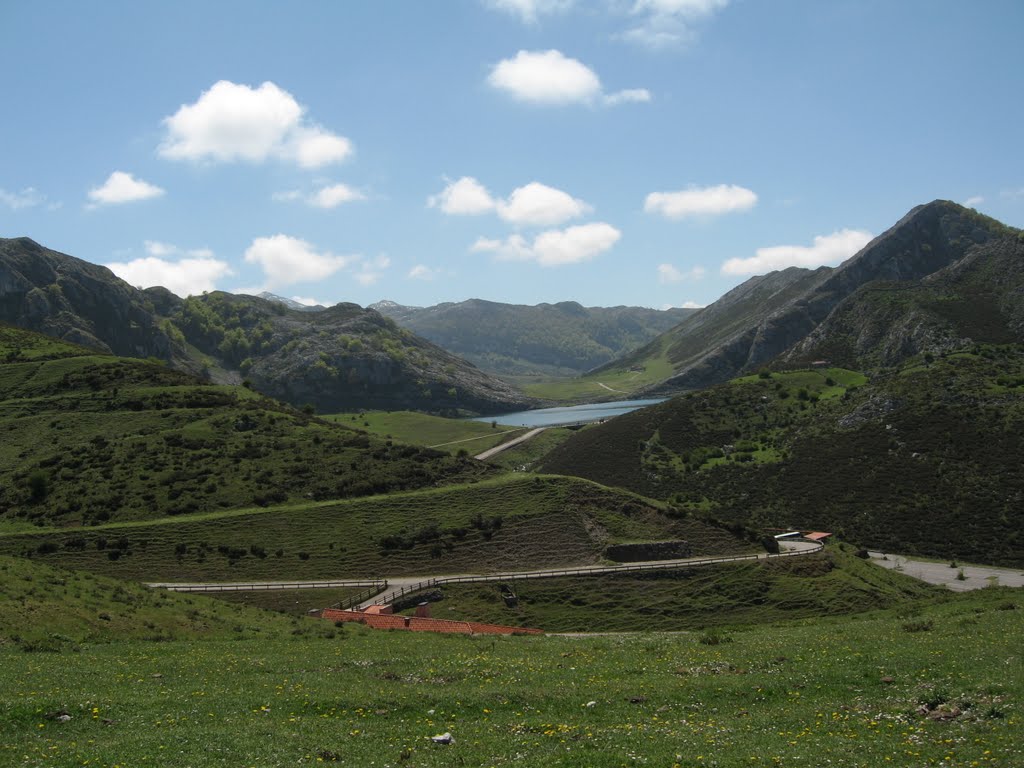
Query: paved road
x,y
975,576
499,448
401,585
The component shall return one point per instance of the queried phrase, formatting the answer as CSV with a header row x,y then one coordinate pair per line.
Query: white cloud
x,y
532,204
371,270
182,272
529,11
122,187
669,23
335,195
974,202
233,122
668,273
700,201
286,260
464,197
630,95
827,250
306,302
551,78
27,198
684,305
330,196
537,204
554,247
422,272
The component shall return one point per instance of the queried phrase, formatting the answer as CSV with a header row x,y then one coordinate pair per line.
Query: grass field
x,y
525,456
513,523
618,383
940,685
449,435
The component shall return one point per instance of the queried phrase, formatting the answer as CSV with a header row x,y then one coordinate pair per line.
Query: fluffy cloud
x,y
122,187
371,270
700,201
974,202
529,11
182,272
551,78
27,198
539,205
684,305
827,250
335,195
422,272
669,23
532,205
232,122
667,273
286,260
464,197
554,247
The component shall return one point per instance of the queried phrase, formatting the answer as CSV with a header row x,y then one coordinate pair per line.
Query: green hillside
x,y
826,584
923,459
43,608
510,523
89,439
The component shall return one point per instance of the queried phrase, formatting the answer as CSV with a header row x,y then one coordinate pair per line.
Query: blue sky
x,y
649,152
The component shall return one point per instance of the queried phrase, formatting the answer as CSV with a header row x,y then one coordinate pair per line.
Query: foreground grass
x,y
838,692
449,435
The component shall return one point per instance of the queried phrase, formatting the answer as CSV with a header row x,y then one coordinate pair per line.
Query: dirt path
x,y
499,448
617,391
974,576
478,437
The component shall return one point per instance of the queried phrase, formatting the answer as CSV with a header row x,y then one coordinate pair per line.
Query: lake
x,y
574,414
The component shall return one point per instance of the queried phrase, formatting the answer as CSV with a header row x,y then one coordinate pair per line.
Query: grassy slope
x,y
526,455
832,583
108,438
449,435
924,461
46,609
840,692
655,369
511,523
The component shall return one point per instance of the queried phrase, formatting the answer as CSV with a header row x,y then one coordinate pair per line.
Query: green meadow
x,y
937,684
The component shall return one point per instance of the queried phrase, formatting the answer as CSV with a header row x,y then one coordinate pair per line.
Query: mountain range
x,y
798,315
343,357
564,339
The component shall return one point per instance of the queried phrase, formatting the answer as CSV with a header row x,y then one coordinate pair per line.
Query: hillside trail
x,y
617,391
505,446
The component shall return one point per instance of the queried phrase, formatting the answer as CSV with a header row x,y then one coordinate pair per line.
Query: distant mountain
x,y
334,359
563,339
768,316
341,358
291,303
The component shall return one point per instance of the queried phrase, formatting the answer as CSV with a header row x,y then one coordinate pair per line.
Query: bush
x,y
39,485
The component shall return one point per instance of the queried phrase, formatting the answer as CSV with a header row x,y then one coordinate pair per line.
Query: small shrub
x,y
713,638
919,625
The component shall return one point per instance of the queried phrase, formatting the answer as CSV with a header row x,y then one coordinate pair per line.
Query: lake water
x,y
549,417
